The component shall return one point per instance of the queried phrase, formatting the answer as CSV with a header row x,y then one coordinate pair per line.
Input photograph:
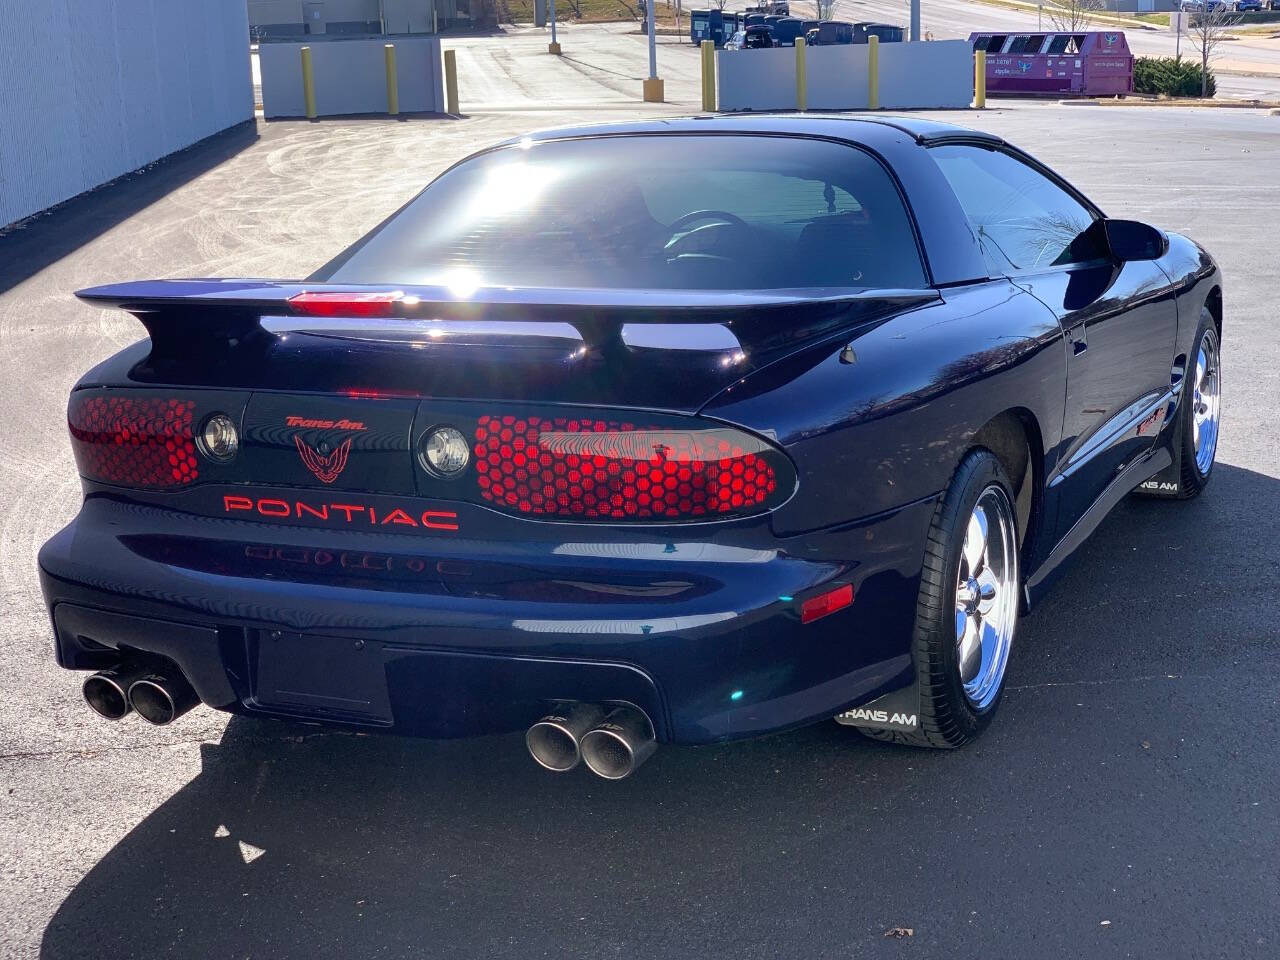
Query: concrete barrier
x,y
350,77
938,74
924,75
757,79
838,77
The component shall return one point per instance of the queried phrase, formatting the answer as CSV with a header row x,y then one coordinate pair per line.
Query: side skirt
x,y
1136,473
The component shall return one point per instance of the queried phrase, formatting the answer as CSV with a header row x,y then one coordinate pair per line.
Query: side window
x,y
1023,220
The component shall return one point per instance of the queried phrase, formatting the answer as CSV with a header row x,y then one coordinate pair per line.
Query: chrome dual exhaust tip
x,y
158,694
553,740
613,744
107,691
615,747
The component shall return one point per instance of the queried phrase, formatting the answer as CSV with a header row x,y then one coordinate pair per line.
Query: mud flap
x,y
1166,483
898,710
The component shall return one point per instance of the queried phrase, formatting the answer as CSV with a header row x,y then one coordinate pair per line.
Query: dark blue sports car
x,y
674,432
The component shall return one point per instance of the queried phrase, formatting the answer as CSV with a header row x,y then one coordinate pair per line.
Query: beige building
x,y
275,19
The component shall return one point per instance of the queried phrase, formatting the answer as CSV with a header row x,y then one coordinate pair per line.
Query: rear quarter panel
x,y
881,417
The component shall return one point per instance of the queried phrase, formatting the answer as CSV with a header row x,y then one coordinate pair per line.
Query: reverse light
x,y
134,441
604,469
219,440
444,452
815,608
336,303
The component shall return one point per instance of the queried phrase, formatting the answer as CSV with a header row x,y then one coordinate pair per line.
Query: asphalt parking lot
x,y
1123,805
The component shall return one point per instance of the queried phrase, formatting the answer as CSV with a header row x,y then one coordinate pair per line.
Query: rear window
x,y
659,212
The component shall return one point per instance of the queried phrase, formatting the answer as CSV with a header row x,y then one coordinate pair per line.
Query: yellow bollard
x,y
393,85
980,79
802,76
708,76
873,73
308,84
451,81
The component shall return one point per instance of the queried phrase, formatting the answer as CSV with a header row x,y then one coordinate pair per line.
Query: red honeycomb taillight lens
x,y
143,441
611,470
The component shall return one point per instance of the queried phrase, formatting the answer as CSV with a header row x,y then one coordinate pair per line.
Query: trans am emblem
x,y
1024,65
325,467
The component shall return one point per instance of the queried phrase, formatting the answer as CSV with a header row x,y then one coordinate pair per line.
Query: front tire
x,y
1201,410
967,607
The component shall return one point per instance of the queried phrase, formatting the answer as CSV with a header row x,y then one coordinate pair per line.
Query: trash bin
x,y
1057,64
699,26
834,31
786,30
887,33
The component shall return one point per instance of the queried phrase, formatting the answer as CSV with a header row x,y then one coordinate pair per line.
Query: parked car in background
x,y
1202,6
1244,6
756,37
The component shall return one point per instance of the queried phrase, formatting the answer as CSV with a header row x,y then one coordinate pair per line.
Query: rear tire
x,y
969,589
1200,413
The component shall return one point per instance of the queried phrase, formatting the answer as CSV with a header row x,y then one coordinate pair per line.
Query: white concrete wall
x,y
838,78
756,79
350,76
923,75
912,76
93,89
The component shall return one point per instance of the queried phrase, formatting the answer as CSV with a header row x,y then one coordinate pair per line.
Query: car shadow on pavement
x,y
47,238
296,842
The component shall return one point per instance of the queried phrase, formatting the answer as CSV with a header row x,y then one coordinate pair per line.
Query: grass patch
x,y
595,11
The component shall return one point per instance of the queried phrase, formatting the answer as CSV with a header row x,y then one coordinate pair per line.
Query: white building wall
x,y
93,89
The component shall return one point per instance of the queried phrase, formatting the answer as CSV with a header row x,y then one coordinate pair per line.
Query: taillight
x,y
605,469
134,441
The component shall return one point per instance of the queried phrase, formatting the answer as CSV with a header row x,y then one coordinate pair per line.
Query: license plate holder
x,y
337,677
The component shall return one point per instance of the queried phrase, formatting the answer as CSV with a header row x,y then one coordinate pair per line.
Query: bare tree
x,y
1206,29
720,4
1072,16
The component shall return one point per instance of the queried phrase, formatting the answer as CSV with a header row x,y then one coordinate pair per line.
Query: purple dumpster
x,y
1088,64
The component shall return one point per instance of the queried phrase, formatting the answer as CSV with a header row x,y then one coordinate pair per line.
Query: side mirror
x,y
1131,240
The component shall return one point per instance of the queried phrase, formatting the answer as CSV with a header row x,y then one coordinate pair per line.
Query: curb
x,y
1271,106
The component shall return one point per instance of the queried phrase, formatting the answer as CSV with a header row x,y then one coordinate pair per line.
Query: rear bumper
x,y
450,638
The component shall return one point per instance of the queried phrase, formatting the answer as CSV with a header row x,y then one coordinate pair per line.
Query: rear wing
x,y
184,314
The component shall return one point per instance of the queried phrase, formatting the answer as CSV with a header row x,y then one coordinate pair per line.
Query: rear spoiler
x,y
180,314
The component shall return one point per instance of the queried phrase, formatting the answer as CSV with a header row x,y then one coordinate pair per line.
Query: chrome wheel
x,y
1206,401
986,596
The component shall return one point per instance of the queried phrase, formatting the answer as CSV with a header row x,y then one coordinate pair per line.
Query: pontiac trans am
x,y
665,432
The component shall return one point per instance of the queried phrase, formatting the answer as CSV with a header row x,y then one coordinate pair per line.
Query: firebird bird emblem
x,y
326,468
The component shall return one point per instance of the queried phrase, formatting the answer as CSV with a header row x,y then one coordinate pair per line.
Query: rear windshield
x,y
659,212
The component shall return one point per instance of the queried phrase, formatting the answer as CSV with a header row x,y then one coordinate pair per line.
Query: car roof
x,y
870,131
